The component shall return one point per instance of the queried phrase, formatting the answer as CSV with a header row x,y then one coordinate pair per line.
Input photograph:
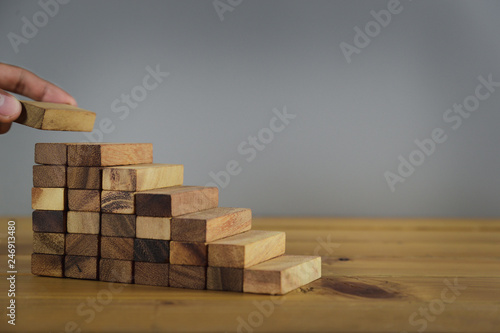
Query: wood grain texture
x,y
49,221
151,250
112,270
175,201
117,248
49,176
281,275
84,178
109,154
47,265
153,227
45,198
142,177
118,202
51,153
83,222
82,245
225,279
246,249
55,117
84,200
48,242
212,224
191,277
151,274
81,267
118,225
188,253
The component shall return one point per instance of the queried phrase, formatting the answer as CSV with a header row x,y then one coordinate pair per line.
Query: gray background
x,y
353,119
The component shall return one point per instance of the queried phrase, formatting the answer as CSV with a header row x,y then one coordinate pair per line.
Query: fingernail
x,y
9,106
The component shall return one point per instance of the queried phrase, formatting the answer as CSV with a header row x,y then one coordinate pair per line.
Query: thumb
x,y
10,109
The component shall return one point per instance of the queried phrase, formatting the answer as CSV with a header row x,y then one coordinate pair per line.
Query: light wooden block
x,y
49,221
151,274
142,177
47,265
81,267
83,222
280,275
153,227
118,225
51,153
82,245
109,154
191,277
84,178
45,198
117,248
225,279
246,249
151,250
48,242
49,176
175,201
113,270
212,224
55,117
118,202
188,253
84,200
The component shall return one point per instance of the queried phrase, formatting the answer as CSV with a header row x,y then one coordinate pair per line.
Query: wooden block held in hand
x,y
212,224
48,242
225,278
83,222
84,178
55,117
113,270
151,273
118,225
246,249
153,227
142,177
84,200
280,275
45,198
109,154
51,153
47,265
151,250
82,245
117,248
191,277
188,253
80,267
49,176
49,221
175,201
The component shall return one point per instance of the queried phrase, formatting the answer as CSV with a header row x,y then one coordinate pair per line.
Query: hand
x,y
23,82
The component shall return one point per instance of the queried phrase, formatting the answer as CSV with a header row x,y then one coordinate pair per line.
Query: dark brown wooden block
x,y
49,221
82,245
51,153
151,250
118,225
84,200
225,278
113,270
47,264
80,267
192,277
109,154
117,248
118,202
48,242
85,178
188,253
49,175
176,200
151,273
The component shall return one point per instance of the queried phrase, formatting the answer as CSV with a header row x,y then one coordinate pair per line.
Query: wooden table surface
x,y
379,275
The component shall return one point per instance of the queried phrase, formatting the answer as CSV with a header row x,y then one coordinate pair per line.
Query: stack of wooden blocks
x,y
106,212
